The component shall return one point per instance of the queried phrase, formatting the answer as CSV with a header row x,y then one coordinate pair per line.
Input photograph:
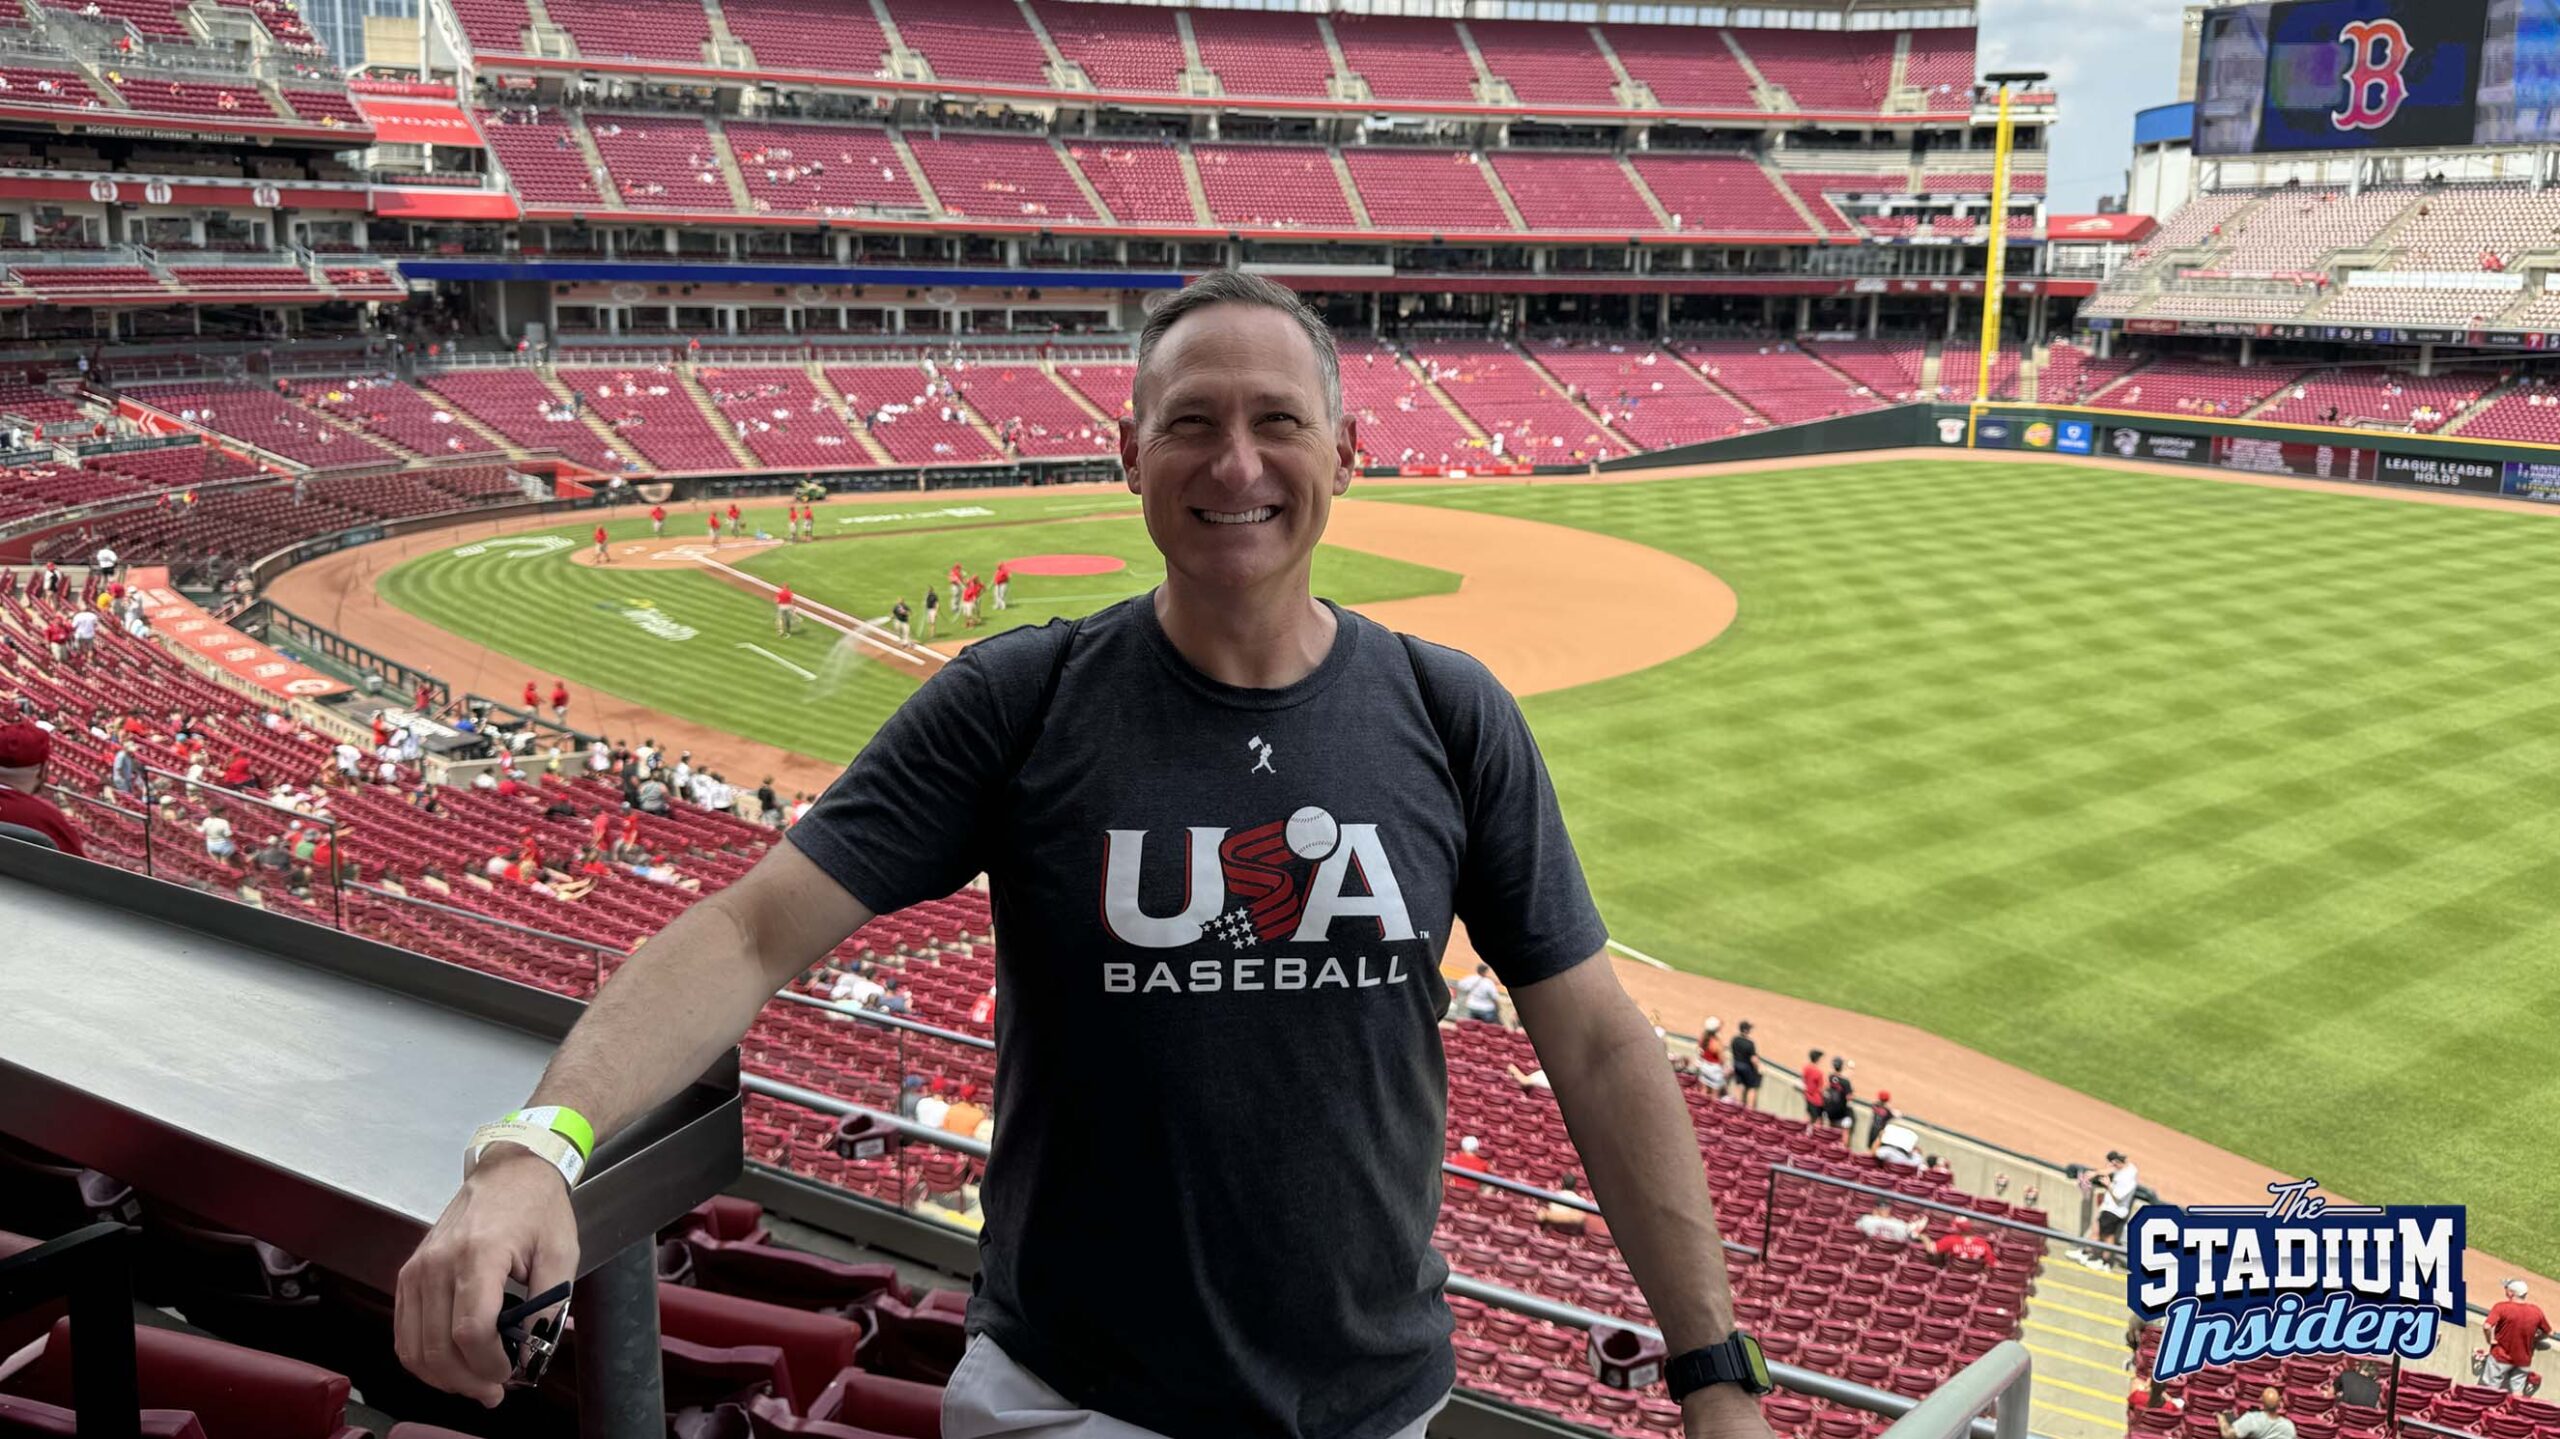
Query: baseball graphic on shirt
x,y
1312,834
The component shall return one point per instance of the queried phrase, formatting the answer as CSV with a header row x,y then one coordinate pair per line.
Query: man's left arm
x,y
1640,1150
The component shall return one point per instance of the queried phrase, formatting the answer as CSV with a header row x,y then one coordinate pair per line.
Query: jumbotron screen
x,y
2377,74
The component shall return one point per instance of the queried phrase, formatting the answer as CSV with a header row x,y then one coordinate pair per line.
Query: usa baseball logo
x,y
2298,1275
2376,88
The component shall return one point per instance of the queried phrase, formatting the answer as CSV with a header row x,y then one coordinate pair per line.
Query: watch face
x,y
1758,1381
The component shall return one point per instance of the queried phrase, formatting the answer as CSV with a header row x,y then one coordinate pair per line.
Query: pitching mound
x,y
1068,564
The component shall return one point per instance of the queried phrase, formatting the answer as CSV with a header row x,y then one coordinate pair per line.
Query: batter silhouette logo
x,y
2376,88
2298,1275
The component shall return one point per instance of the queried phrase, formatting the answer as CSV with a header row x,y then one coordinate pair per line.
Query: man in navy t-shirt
x,y
1227,827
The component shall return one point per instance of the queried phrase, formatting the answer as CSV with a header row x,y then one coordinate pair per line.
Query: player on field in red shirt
x,y
1004,577
658,520
782,615
715,529
604,555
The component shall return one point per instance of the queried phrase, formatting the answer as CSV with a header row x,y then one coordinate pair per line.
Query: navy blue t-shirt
x,y
1219,917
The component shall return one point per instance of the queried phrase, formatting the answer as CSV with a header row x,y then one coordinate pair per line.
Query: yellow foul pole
x,y
1998,268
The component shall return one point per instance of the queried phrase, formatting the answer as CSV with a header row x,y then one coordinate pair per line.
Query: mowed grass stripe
x,y
2228,804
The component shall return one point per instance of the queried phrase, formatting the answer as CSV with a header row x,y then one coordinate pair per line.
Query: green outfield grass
x,y
2239,807
697,647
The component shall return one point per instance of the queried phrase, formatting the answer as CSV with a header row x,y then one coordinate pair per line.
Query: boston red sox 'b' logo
x,y
2376,88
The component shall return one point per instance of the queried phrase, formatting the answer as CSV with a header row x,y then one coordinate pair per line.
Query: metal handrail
x,y
1999,1381
1776,1171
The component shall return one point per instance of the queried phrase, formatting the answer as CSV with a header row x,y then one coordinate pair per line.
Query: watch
x,y
1736,1361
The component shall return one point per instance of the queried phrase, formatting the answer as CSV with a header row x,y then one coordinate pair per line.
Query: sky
x,y
2108,58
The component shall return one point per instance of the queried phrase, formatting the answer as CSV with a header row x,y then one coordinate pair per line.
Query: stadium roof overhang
x,y
133,125
2091,229
409,121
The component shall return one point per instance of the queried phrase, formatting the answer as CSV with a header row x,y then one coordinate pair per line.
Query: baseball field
x,y
2238,807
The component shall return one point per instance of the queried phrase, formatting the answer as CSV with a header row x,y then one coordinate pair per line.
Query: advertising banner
x,y
2075,437
2130,442
180,619
2532,480
2013,432
2340,75
2310,462
2479,477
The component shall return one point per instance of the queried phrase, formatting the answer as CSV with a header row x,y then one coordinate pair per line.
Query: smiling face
x,y
1233,451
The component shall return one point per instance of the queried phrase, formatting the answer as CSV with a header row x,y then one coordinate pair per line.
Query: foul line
x,y
834,619
1638,955
777,659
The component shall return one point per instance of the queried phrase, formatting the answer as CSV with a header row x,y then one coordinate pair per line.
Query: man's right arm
x,y
688,994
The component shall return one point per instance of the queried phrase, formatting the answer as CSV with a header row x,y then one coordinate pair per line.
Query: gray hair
x,y
1235,287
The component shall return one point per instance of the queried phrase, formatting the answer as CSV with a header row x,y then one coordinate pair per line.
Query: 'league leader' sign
x,y
2301,1275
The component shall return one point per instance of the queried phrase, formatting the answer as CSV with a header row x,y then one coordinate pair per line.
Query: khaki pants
x,y
992,1397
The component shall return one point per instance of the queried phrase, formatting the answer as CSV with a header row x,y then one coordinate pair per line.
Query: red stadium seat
x,y
234,1393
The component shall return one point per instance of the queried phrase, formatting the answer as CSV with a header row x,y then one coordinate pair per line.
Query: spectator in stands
x,y
2359,1383
1568,1218
934,1108
1470,1155
857,988
1529,1079
2513,1329
1479,996
84,632
25,750
1883,1225
1813,1082
2267,1421
1960,1242
1238,408
1743,1085
126,776
57,636
1836,1094
1879,1114
217,836
964,1117
910,1096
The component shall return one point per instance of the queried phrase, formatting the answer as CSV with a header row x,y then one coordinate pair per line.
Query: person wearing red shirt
x,y
381,731
1004,577
532,698
560,700
631,830
24,751
714,517
57,636
2514,1330
1468,1157
1960,1242
782,612
603,829
969,602
1813,1081
604,555
735,527
658,520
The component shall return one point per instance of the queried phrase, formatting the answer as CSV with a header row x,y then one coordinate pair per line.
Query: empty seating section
x,y
2059,378
518,405
1547,64
1107,386
195,97
224,528
973,40
1563,191
1282,186
2293,230
1000,177
2199,221
24,85
2379,399
1815,192
268,421
2530,413
1825,69
1258,53
2386,305
1121,48
542,161
1889,368
241,279
1941,63
825,35
1026,407
1644,394
2455,227
35,402
821,169
1724,194
1684,66
395,411
673,30
1978,182
1441,191
2265,304
660,162
2173,387
324,106
27,490
1506,396
1399,420
1780,381
782,417
908,422
649,409
173,467
352,278
151,17
1406,58
1140,181
497,26
1960,373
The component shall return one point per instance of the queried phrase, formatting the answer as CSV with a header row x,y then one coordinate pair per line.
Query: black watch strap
x,y
1736,1361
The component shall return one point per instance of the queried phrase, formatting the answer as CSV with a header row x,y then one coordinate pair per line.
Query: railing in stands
x,y
2000,1382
